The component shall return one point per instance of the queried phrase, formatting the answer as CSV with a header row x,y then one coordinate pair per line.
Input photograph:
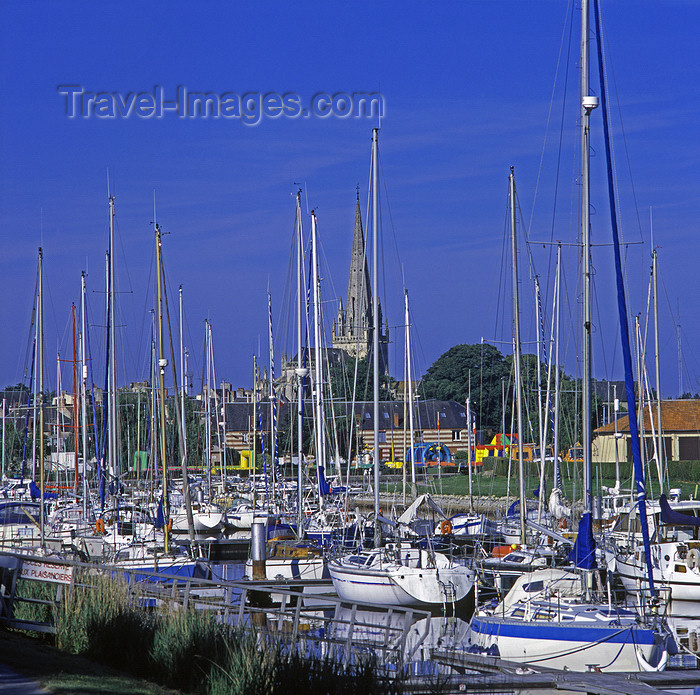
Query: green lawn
x,y
489,485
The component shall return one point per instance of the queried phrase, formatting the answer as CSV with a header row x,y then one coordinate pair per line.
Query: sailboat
x,y
543,620
395,573
538,622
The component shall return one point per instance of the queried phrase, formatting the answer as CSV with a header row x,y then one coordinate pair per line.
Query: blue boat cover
x,y
671,516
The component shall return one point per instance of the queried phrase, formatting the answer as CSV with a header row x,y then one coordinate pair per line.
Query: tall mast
x,y
541,412
153,469
207,424
253,457
301,371
162,364
375,323
588,103
83,385
40,392
410,399
557,314
114,467
273,412
182,375
658,369
516,354
318,392
75,404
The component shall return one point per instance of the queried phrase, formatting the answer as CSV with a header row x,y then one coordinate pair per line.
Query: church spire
x,y
358,307
353,329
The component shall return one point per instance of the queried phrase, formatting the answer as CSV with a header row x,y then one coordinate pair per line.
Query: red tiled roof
x,y
676,416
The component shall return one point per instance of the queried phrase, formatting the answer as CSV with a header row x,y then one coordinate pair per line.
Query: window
x,y
382,437
456,435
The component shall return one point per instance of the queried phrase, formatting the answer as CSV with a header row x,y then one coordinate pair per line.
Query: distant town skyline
x,y
467,90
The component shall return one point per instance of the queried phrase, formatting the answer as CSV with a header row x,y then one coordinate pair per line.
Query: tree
x,y
473,371
485,367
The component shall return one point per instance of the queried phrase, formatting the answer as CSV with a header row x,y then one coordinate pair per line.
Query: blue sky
x,y
467,88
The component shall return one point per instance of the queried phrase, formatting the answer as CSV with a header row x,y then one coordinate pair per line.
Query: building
x,y
433,421
353,327
680,428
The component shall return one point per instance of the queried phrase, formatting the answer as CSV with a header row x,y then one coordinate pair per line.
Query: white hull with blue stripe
x,y
552,628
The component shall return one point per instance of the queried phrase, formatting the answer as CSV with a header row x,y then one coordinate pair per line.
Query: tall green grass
x,y
193,652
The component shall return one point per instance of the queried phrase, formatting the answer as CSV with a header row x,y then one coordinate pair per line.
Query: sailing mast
x,y
375,325
40,389
301,371
75,404
162,364
588,103
414,490
516,355
83,387
557,395
660,450
114,467
182,375
318,392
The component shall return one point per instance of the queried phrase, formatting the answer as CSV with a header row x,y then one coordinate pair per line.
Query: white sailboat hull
x,y
679,574
391,583
574,647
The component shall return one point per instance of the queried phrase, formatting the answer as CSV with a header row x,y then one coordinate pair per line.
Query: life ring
x,y
100,526
445,527
170,525
692,559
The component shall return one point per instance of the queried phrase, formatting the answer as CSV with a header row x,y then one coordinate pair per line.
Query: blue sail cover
x,y
624,324
35,492
675,518
324,486
583,552
160,516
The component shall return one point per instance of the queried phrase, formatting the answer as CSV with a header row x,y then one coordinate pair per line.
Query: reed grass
x,y
192,651
34,612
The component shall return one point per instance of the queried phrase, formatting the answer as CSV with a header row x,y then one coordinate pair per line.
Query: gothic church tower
x,y
352,330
